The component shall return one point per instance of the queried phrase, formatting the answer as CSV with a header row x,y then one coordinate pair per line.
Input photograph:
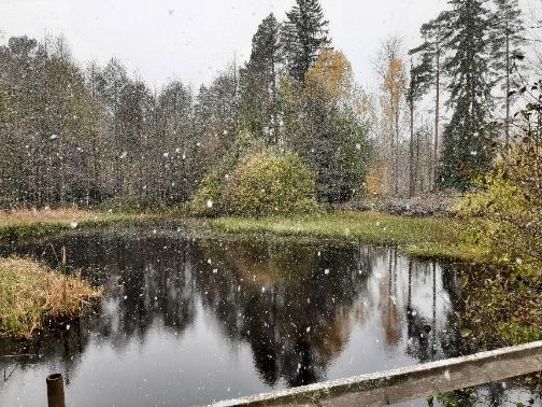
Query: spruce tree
x,y
258,82
305,32
467,138
507,38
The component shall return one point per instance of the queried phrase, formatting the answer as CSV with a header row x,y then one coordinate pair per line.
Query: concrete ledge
x,y
408,383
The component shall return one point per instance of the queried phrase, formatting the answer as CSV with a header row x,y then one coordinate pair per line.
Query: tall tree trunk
x,y
96,171
507,122
274,103
396,154
412,170
434,162
419,180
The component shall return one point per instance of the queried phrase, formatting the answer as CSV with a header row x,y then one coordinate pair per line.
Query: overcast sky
x,y
192,40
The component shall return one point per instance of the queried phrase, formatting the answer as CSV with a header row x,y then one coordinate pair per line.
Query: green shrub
x,y
208,201
516,332
506,213
266,184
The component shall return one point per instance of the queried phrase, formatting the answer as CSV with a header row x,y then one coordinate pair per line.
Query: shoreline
x,y
429,238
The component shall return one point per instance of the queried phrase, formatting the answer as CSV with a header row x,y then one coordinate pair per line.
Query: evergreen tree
x,y
305,32
431,53
507,38
418,84
325,125
174,128
258,83
467,138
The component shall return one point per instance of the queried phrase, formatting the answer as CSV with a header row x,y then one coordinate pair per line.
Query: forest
x,y
282,222
455,119
445,110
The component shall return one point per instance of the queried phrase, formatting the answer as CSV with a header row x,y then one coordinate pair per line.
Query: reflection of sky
x,y
365,350
157,343
159,370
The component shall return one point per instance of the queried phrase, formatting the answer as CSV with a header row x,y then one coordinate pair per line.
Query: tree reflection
x,y
291,302
296,304
146,281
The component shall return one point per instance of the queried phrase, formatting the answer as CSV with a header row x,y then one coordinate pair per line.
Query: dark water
x,y
187,321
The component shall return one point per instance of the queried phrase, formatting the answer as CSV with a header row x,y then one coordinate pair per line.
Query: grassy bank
x,y
429,237
32,295
26,224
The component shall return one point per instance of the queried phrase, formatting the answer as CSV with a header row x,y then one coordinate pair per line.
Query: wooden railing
x,y
408,383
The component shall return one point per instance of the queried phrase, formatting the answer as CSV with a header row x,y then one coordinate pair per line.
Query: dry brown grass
x,y
45,216
32,294
19,225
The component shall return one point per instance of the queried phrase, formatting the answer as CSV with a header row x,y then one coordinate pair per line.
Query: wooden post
x,y
55,390
64,255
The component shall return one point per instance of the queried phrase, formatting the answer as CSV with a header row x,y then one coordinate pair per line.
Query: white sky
x,y
192,40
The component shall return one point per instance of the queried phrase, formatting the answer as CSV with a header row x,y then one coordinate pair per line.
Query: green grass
x,y
422,237
32,294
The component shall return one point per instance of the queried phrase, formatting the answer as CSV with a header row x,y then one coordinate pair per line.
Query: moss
x,y
516,332
32,295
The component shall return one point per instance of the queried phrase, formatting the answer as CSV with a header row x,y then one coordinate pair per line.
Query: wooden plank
x,y
408,383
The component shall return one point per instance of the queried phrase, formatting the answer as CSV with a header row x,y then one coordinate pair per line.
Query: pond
x,y
189,321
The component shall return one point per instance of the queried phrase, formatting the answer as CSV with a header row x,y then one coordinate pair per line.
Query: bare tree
x,y
390,67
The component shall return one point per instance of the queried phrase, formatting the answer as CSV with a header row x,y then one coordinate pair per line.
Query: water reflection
x,y
186,322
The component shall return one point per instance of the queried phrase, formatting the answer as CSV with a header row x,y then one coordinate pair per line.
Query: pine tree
x,y
258,83
418,86
506,36
431,54
305,32
467,138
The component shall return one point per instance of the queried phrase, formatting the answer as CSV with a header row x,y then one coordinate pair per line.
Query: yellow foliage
x,y
332,72
508,210
378,178
395,80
